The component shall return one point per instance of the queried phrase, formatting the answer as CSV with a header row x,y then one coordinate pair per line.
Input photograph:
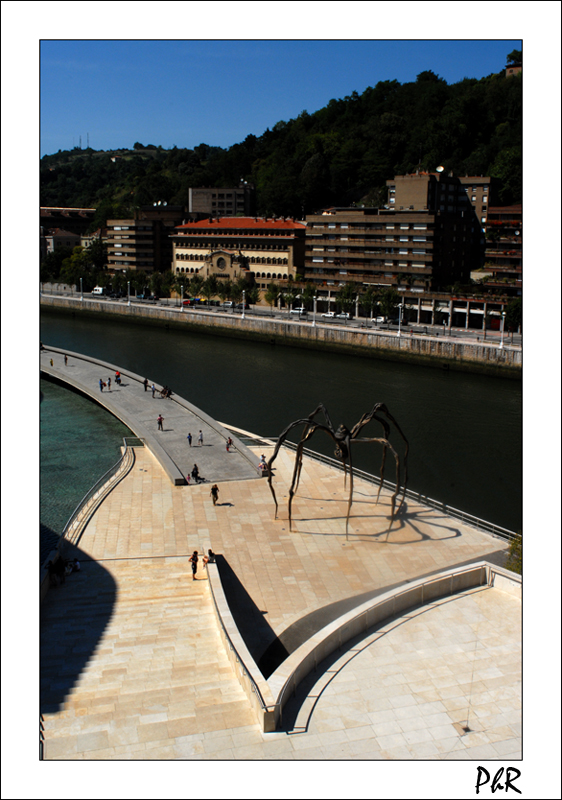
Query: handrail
x,y
90,494
255,687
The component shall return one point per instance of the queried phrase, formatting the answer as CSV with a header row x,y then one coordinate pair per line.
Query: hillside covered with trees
x,y
340,155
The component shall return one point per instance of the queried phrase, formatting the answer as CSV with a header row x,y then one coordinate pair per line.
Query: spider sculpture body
x,y
343,437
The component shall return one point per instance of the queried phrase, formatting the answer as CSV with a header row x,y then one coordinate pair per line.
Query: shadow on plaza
x,y
265,647
442,528
74,616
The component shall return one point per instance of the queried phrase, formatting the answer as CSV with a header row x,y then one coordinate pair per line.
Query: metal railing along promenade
x,y
418,497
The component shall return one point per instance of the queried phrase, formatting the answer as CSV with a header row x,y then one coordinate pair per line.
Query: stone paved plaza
x,y
133,666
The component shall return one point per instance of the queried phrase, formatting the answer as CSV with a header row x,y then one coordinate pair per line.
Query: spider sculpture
x,y
343,438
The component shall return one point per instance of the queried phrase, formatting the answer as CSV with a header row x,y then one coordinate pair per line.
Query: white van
x,y
98,290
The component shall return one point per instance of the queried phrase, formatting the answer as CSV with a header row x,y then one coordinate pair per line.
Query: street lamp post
x,y
181,306
243,304
314,313
503,326
400,319
128,293
81,292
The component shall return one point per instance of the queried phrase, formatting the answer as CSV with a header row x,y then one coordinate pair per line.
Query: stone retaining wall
x,y
428,350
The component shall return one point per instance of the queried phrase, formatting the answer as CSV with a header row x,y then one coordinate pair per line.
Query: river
x,y
465,430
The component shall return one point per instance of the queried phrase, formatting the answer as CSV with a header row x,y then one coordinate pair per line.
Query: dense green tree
x,y
209,288
389,302
272,295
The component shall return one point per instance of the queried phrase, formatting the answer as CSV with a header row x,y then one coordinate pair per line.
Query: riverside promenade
x,y
139,410
133,665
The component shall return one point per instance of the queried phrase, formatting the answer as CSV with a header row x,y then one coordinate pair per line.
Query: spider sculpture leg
x,y
385,443
284,435
307,433
372,415
350,501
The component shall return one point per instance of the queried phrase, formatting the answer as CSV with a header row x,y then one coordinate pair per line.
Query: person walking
x,y
118,378
194,559
65,359
145,384
215,494
195,473
153,387
189,438
160,421
51,362
109,384
101,385
200,438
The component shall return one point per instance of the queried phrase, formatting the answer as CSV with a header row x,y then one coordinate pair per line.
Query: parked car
x,y
300,311
343,315
240,306
228,304
379,319
329,314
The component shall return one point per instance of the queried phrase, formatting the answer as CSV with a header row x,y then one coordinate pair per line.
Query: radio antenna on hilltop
x,y
80,145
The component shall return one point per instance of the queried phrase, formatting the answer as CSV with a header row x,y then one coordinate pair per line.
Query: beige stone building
x,y
229,247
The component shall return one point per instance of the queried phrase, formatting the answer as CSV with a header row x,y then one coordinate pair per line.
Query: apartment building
x,y
222,202
227,247
411,251
503,267
436,191
143,242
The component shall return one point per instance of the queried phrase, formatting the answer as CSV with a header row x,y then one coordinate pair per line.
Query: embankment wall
x,y
426,350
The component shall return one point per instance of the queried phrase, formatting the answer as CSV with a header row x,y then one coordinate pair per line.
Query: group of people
x,y
60,569
189,438
194,559
164,392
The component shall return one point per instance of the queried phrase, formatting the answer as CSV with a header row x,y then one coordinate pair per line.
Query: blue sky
x,y
191,91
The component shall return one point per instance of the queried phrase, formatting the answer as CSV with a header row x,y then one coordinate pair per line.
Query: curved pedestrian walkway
x,y
139,410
